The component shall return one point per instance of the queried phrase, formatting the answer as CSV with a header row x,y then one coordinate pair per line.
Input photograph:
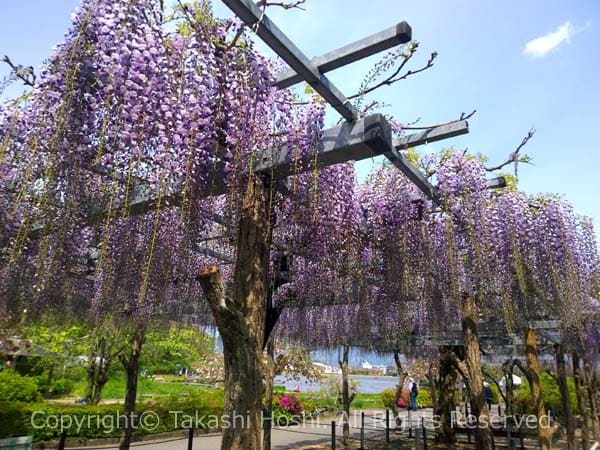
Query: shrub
x,y
550,395
61,386
388,397
102,421
18,388
290,403
309,405
424,398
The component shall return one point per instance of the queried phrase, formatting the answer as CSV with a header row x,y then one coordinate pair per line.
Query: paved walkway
x,y
310,435
316,435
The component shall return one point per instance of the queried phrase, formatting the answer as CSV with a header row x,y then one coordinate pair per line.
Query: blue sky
x,y
483,64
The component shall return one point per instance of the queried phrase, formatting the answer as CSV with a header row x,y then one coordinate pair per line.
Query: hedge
x,y
43,420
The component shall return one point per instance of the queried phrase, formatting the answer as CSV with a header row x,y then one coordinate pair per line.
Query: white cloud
x,y
541,46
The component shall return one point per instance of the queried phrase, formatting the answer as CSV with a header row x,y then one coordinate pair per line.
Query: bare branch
x,y
523,368
514,157
238,34
414,122
284,5
552,375
463,116
490,376
25,74
395,76
460,366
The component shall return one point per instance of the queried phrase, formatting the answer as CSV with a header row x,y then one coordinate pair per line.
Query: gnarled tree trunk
x,y
401,379
561,379
240,318
132,366
347,398
532,372
479,409
581,402
591,383
446,404
268,404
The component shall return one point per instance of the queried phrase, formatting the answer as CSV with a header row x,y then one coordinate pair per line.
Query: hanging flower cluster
x,y
111,166
521,257
132,116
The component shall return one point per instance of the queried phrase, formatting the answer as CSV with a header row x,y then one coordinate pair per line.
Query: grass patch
x,y
147,387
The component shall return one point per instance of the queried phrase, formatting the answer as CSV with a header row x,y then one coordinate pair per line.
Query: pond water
x,y
366,384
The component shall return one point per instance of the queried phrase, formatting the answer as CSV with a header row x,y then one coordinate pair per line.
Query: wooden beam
x,y
365,138
432,135
401,33
252,15
362,139
413,174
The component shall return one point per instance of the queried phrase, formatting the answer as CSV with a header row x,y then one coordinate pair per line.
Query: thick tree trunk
x,y
591,383
100,381
433,385
581,402
401,380
91,377
240,318
132,366
268,405
446,404
479,409
347,398
561,379
545,431
102,366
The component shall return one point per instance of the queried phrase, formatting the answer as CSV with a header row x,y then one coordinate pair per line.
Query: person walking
x,y
414,392
488,394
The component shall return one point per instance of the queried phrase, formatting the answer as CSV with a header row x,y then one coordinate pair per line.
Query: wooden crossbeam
x,y
453,339
350,141
500,325
252,15
365,138
309,71
363,48
432,135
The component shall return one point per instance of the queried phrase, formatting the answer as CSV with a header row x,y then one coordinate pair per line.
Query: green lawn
x,y
147,387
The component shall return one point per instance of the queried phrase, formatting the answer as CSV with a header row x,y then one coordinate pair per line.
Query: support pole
x,y
387,426
362,431
191,438
333,435
61,442
424,433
